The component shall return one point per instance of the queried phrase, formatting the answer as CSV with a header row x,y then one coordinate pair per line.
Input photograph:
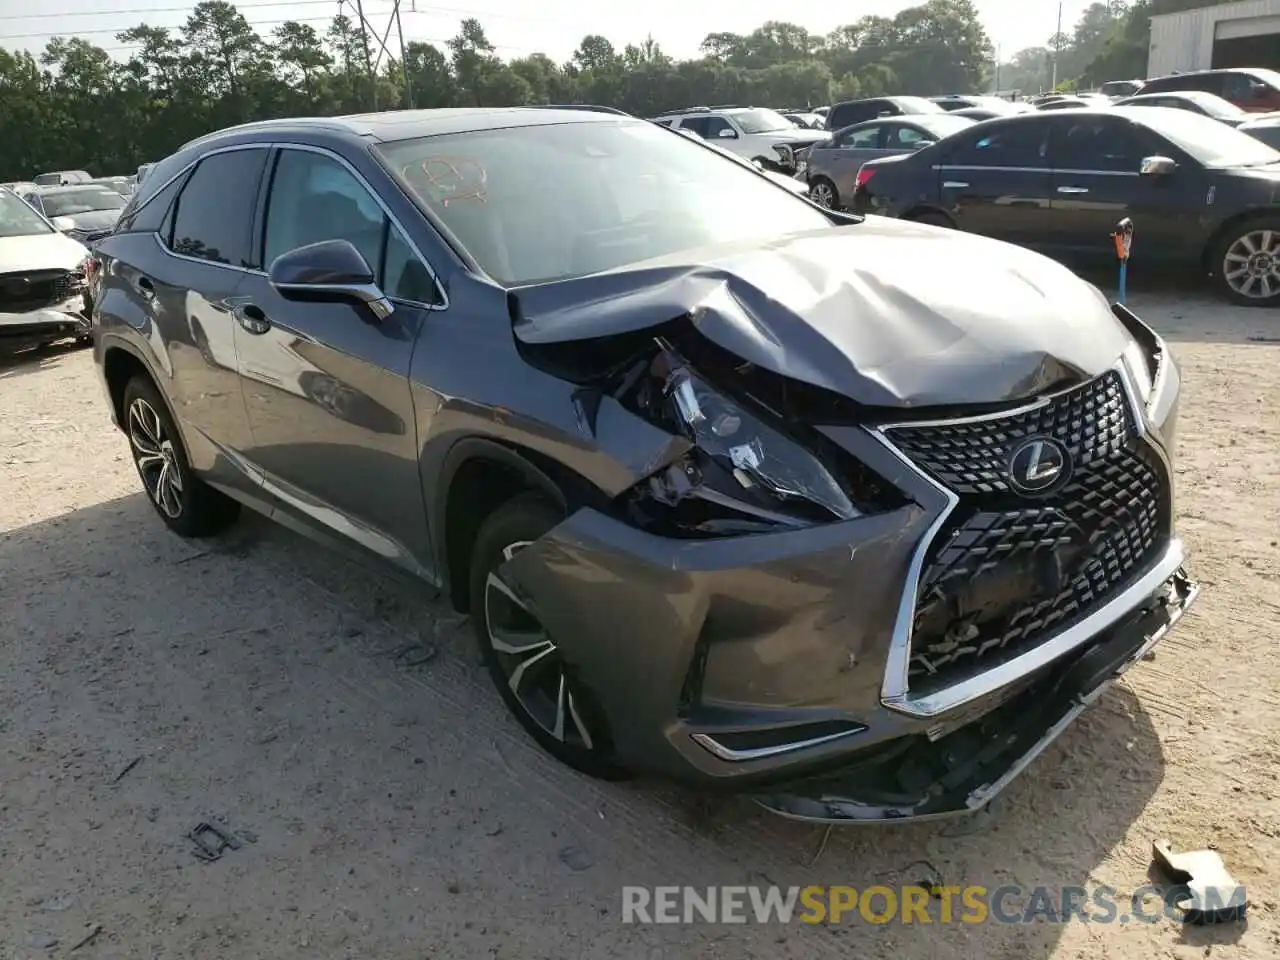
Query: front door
x,y
995,182
326,385
1096,183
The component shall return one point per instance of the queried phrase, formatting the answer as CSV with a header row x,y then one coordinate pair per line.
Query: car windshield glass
x,y
1212,143
548,202
70,202
762,121
17,219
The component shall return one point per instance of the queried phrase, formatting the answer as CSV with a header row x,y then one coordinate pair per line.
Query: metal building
x,y
1245,34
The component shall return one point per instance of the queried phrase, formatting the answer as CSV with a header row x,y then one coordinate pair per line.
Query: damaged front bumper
x,y
963,770
62,321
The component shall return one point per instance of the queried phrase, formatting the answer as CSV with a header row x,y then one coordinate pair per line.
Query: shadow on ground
x,y
340,718
41,358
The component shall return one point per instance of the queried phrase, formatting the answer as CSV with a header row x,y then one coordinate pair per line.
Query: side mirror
x,y
727,134
1157,166
329,271
63,224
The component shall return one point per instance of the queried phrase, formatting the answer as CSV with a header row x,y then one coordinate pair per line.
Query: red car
x,y
1255,89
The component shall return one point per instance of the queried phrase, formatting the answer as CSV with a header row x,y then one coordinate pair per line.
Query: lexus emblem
x,y
1038,464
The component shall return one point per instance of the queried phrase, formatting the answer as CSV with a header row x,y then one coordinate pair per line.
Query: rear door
x,y
1096,183
994,181
849,152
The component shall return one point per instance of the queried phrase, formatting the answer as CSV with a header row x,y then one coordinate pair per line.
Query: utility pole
x,y
997,68
404,61
1057,48
368,57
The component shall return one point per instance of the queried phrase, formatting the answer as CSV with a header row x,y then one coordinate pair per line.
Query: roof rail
x,y
668,113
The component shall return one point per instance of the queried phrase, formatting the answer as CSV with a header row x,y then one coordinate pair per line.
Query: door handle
x,y
1073,189
252,319
954,185
145,288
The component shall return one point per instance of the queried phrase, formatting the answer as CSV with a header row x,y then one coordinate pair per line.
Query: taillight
x,y
865,173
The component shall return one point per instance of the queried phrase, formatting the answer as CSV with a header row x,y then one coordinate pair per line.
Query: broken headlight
x,y
753,473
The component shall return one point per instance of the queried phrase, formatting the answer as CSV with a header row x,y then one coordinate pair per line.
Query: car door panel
x,y
326,384
1096,183
854,149
996,182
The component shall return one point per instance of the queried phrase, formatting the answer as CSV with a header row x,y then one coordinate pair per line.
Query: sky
x,y
553,27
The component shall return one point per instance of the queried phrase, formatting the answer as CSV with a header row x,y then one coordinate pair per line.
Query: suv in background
x,y
1253,88
1116,89
856,111
57,178
753,133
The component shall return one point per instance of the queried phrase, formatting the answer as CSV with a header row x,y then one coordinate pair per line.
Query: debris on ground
x,y
575,858
90,934
1205,891
124,771
211,842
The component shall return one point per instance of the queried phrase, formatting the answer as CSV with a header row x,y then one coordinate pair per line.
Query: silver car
x,y
833,166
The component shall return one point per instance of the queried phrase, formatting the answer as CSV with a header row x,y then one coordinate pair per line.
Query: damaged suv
x,y
732,491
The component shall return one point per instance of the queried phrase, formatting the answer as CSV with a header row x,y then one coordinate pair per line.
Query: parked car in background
x,y
1067,103
121,185
57,177
1254,89
1197,101
855,111
953,102
753,133
807,121
978,114
143,170
1199,193
648,418
781,179
1266,129
1118,89
832,171
90,210
43,280
18,186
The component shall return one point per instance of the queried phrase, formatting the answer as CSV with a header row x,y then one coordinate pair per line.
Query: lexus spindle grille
x,y
34,290
1010,569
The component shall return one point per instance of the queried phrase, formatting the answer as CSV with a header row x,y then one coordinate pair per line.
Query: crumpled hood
x,y
887,313
42,251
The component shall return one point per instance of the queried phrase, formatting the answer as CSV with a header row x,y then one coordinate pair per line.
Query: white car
x,y
43,279
796,184
753,133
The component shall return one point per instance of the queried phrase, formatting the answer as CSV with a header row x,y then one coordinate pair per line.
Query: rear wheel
x,y
1246,263
187,505
523,659
823,192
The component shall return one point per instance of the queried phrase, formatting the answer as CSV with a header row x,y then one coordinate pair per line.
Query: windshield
x,y
70,202
1212,143
762,121
17,219
561,200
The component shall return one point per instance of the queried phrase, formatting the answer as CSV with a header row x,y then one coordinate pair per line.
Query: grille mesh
x,y
24,292
1009,571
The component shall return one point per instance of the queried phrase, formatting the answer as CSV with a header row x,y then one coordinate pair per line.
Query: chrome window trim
x,y
1062,170
895,693
326,152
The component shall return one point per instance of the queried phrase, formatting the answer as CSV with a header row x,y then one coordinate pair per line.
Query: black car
x,y
601,388
1198,192
1251,88
856,111
1197,101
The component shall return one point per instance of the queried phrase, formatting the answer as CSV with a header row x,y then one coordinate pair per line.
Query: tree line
x,y
73,105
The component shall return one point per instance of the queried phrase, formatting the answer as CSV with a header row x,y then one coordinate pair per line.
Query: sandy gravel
x,y
395,811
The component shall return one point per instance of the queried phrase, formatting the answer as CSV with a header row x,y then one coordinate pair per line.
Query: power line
x,y
150,10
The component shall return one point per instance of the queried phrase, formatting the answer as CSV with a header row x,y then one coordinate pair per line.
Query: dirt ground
x,y
387,807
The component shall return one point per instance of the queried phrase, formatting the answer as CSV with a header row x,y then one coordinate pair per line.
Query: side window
x,y
1095,143
213,218
864,138
1010,145
314,198
153,217
907,138
717,124
698,125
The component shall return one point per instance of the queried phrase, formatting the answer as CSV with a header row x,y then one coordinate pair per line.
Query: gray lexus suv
x,y
733,492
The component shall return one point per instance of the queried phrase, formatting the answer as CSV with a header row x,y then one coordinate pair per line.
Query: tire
x,y
933,219
187,505
823,192
548,698
1246,263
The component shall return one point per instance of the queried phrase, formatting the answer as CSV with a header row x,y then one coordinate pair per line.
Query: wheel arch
x,y
477,476
1223,229
120,364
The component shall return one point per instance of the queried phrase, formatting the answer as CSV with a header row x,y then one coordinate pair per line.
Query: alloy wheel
x,y
821,194
531,661
1251,265
157,460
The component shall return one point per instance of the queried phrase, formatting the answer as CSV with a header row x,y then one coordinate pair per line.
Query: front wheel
x,y
523,659
823,192
1246,264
